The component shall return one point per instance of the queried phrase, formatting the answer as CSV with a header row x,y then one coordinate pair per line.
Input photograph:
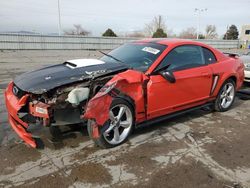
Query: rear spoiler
x,y
234,55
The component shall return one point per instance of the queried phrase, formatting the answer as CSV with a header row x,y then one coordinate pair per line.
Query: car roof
x,y
172,41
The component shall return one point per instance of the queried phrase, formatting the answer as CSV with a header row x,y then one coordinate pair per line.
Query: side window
x,y
183,57
208,56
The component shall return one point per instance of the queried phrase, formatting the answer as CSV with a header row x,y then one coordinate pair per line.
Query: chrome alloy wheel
x,y
121,121
227,95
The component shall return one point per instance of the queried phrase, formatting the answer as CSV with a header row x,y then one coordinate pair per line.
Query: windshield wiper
x,y
108,55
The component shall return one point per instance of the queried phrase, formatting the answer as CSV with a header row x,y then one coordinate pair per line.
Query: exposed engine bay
x,y
54,107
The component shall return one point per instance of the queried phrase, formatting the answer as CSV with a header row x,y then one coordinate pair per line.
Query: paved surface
x,y
200,149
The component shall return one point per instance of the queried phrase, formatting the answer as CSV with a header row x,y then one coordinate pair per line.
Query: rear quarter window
x,y
209,56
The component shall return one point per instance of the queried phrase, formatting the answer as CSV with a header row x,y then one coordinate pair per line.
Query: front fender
x,y
129,85
98,109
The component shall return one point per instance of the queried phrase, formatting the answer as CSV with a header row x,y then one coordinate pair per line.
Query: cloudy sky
x,y
120,15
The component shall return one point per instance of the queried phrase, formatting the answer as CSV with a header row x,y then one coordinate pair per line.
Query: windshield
x,y
139,56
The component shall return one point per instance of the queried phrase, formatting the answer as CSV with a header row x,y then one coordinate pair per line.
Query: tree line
x,y
157,28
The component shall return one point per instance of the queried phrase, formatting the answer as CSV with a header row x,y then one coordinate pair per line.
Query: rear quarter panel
x,y
228,68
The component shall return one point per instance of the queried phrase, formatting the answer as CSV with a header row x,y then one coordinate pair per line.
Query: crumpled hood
x,y
45,79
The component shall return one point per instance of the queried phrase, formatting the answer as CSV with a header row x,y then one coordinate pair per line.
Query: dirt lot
x,y
200,149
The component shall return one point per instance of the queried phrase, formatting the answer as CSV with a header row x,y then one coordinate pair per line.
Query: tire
x,y
122,125
225,97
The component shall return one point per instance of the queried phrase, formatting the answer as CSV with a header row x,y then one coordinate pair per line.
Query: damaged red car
x,y
138,83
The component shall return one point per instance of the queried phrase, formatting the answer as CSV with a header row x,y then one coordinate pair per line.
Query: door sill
x,y
172,115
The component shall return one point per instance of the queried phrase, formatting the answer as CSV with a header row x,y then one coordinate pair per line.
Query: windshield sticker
x,y
151,50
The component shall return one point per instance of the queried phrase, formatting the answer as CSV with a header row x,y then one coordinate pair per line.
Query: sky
x,y
122,16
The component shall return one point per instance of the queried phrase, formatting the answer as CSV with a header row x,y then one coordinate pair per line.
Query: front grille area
x,y
18,92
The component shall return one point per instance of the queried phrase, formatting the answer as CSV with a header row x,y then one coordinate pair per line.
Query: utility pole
x,y
227,32
199,11
59,18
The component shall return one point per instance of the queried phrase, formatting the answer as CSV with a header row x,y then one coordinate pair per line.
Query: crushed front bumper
x,y
13,105
22,133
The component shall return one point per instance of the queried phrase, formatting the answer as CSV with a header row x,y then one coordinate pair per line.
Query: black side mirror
x,y
168,75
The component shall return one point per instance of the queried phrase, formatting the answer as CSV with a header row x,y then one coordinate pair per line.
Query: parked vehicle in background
x,y
137,83
246,60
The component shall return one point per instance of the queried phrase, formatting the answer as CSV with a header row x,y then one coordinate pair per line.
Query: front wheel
x,y
226,96
120,125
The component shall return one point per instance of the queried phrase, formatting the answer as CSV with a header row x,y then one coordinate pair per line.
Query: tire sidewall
x,y
218,106
101,140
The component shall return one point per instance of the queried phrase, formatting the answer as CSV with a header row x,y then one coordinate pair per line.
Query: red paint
x,y
13,105
33,111
95,130
151,95
129,83
21,132
192,87
98,107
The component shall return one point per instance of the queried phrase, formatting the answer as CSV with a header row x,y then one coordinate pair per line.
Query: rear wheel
x,y
226,96
119,125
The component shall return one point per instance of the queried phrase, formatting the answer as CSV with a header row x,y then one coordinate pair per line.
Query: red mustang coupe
x,y
137,83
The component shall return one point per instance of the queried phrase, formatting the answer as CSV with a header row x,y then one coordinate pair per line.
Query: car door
x,y
192,86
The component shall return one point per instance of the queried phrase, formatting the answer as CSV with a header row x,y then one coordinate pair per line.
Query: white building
x,y
245,36
245,33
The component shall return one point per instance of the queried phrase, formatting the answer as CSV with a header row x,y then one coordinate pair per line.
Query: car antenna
x,y
108,55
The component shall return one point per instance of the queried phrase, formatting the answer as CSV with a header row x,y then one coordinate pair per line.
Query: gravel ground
x,y
200,149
